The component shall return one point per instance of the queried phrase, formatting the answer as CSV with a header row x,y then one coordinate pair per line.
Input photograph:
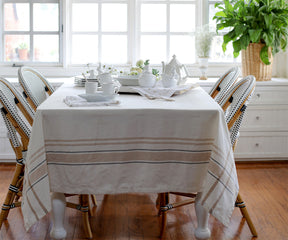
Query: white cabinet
x,y
264,131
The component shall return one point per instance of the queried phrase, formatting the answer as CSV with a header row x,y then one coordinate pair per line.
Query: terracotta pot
x,y
23,54
253,65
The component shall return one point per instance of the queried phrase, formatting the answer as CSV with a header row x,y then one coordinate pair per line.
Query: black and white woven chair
x,y
19,131
224,83
18,134
234,104
36,87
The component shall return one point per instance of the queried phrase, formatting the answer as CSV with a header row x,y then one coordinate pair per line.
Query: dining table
x,y
133,145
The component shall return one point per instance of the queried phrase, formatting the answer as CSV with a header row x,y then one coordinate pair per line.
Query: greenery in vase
x,y
203,41
140,64
254,21
23,46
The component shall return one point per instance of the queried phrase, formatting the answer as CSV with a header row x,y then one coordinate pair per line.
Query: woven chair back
x,y
235,102
224,83
36,87
12,117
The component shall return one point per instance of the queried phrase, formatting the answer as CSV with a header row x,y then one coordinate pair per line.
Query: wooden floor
x,y
264,187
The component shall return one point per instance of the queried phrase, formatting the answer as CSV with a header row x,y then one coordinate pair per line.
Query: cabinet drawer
x,y
275,119
271,95
262,147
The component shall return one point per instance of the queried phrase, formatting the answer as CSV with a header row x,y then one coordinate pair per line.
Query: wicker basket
x,y
252,64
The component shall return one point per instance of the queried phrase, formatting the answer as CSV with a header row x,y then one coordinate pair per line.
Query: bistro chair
x,y
234,104
35,86
224,83
19,131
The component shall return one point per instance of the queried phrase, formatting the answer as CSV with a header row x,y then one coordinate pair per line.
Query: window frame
x,y
32,33
65,69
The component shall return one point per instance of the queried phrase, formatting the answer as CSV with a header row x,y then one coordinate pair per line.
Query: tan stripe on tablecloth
x,y
131,139
220,175
127,156
37,174
36,155
117,143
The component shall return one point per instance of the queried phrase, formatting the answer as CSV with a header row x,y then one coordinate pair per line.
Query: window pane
x,y
114,17
84,49
149,14
217,54
45,17
153,48
16,48
182,17
114,49
16,16
85,17
46,48
183,48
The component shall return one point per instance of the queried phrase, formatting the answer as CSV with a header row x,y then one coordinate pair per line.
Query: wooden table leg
x,y
58,212
202,231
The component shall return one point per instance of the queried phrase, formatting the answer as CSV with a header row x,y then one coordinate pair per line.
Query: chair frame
x,y
163,198
218,92
27,92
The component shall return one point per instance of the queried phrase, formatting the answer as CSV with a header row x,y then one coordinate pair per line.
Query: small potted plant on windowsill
x,y
23,51
258,29
203,41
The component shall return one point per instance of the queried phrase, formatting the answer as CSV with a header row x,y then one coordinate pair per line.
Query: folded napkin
x,y
159,92
76,101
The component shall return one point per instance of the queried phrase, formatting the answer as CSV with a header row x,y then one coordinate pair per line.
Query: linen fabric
x,y
137,146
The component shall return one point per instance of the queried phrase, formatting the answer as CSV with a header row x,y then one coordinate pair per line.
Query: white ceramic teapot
x,y
175,65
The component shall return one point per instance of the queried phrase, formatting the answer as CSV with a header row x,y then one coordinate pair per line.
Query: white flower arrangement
x,y
203,40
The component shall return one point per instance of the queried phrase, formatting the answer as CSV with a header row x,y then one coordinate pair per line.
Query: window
x,y
31,31
106,31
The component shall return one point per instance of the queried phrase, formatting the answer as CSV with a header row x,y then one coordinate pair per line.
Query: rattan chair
x,y
36,87
234,104
19,133
224,83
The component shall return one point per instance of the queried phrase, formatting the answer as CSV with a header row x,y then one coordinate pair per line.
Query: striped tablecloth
x,y
139,145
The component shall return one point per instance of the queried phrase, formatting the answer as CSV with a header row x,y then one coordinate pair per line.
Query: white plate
x,y
98,97
128,80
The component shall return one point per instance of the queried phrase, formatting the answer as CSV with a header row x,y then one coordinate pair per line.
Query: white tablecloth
x,y
139,145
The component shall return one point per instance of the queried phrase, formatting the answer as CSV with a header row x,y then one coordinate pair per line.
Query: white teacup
x,y
110,88
105,78
91,87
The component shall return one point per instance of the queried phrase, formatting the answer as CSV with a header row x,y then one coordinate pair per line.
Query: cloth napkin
x,y
76,101
159,92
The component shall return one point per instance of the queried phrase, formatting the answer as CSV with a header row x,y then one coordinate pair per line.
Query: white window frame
x,y
32,33
65,68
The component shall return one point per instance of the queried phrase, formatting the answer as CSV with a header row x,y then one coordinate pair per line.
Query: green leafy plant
x,y
23,45
254,21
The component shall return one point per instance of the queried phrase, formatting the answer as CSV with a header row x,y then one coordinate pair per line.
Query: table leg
x,y
58,211
202,231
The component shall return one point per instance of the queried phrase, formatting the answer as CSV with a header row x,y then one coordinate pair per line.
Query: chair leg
x,y
163,201
94,201
241,204
12,193
84,201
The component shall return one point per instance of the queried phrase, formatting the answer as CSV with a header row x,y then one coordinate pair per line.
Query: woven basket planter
x,y
252,64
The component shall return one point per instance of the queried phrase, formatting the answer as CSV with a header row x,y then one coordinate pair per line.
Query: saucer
x,y
98,97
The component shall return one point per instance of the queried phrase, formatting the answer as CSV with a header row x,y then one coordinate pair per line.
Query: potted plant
x,y
203,41
258,29
23,51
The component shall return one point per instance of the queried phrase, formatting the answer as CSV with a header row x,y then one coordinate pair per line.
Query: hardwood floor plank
x,y
264,187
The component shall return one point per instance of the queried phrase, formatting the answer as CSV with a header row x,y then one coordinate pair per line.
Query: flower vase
x,y
203,67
